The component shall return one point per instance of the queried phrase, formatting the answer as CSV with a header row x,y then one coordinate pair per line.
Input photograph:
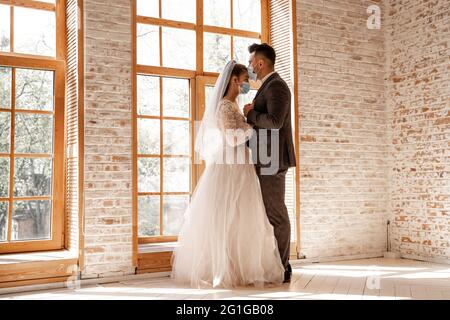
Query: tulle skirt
x,y
227,239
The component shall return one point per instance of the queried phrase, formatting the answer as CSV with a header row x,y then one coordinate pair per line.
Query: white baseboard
x,y
392,255
336,258
426,259
387,255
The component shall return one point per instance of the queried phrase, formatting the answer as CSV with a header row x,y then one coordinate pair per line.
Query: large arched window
x,y
31,125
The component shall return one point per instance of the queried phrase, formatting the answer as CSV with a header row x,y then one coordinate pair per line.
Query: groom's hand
x,y
248,107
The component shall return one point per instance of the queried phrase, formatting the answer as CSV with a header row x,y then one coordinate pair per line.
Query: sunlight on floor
x,y
349,273
372,267
374,279
426,275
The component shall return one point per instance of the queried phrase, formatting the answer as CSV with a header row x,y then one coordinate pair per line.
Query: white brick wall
x,y
343,147
418,98
108,139
374,128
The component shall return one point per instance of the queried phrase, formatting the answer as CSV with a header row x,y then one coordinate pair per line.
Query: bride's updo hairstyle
x,y
238,69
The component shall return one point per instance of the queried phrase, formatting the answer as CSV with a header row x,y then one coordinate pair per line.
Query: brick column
x,y
108,139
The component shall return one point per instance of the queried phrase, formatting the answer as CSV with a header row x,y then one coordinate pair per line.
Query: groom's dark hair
x,y
264,50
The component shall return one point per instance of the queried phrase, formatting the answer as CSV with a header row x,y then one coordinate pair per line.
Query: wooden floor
x,y
356,279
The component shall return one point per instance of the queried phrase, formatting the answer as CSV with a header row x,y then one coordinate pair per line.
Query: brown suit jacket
x,y
273,111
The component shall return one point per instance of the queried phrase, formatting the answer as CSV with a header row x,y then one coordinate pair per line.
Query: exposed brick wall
x,y
108,139
343,147
418,99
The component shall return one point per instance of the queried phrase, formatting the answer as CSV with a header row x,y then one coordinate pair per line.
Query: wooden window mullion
x,y
34,198
161,162
231,14
33,155
11,29
231,24
160,36
11,153
199,37
40,5
60,12
161,158
265,25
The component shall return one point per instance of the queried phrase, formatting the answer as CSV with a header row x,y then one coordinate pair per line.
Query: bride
x,y
226,239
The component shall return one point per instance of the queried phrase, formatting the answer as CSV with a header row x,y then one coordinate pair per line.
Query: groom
x,y
271,109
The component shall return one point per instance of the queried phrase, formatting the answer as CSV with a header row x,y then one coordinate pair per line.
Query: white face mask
x,y
244,88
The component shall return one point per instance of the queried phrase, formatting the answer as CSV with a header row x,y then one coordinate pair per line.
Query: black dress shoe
x,y
287,276
289,268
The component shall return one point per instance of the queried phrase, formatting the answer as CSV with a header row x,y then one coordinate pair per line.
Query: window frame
x,y
161,155
57,65
197,79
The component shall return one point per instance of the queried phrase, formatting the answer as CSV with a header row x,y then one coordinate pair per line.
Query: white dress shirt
x,y
267,77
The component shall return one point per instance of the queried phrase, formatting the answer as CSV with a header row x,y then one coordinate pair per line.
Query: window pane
x,y
176,97
176,175
148,174
217,51
176,137
31,220
148,95
174,209
240,49
217,13
148,8
247,15
3,220
148,216
5,24
148,136
181,10
5,131
32,177
34,31
179,47
5,87
34,89
147,44
33,133
4,177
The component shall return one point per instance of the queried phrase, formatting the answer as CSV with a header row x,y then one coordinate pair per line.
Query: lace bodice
x,y
232,123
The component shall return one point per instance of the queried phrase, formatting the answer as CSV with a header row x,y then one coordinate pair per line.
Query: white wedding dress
x,y
226,239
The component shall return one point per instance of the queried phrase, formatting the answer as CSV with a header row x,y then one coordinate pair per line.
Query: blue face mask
x,y
244,87
251,73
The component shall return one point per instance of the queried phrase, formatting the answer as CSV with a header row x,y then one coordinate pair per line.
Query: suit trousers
x,y
273,190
